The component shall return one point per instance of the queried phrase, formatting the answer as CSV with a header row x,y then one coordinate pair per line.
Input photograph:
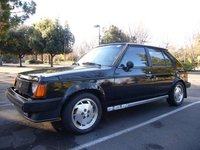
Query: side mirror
x,y
129,65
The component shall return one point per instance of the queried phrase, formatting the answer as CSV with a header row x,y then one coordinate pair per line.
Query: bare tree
x,y
191,49
84,47
138,35
166,43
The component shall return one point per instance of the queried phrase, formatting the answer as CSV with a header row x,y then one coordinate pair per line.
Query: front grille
x,y
23,86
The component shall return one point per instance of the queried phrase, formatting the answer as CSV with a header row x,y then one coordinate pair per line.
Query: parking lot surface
x,y
153,126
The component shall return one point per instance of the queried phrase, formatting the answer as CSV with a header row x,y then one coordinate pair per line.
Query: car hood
x,y
70,72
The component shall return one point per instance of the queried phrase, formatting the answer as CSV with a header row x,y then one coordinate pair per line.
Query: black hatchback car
x,y
109,77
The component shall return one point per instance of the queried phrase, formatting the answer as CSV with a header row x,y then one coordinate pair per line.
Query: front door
x,y
136,83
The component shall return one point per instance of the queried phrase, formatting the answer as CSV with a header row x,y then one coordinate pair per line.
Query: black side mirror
x,y
129,65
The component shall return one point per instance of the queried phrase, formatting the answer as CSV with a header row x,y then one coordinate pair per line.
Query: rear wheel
x,y
82,113
176,96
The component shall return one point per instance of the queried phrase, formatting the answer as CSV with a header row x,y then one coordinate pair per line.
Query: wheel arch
x,y
180,80
84,88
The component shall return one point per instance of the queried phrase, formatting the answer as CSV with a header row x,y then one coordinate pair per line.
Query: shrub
x,y
33,61
8,58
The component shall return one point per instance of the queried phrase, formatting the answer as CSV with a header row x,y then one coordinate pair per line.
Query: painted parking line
x,y
108,137
5,105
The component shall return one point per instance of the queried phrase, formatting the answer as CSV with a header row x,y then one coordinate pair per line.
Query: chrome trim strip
x,y
26,77
123,106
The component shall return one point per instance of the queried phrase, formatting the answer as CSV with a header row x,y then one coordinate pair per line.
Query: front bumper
x,y
35,110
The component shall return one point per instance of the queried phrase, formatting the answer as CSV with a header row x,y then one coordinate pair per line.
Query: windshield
x,y
105,55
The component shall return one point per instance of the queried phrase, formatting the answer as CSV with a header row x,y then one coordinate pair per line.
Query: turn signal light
x,y
15,81
40,91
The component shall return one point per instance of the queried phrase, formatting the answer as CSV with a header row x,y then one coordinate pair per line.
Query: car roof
x,y
133,44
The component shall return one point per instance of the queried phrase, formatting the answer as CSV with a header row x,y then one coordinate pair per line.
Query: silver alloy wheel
x,y
178,93
84,113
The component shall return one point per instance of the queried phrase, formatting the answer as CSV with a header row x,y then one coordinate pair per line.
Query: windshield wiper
x,y
91,63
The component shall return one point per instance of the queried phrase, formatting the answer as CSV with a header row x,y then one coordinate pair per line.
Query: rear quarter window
x,y
157,57
168,61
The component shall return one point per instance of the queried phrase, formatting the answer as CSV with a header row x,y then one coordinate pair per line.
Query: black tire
x,y
82,113
177,94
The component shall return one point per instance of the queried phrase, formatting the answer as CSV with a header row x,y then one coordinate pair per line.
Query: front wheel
x,y
82,113
176,95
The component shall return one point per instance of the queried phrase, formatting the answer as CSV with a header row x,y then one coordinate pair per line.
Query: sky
x,y
166,21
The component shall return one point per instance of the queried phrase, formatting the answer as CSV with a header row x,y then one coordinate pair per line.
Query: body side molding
x,y
123,106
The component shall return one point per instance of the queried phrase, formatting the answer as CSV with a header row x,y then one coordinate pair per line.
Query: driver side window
x,y
135,54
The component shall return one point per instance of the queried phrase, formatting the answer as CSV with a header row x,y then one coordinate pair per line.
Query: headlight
x,y
34,87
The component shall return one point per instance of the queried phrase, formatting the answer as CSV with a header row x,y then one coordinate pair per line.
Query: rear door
x,y
162,71
135,84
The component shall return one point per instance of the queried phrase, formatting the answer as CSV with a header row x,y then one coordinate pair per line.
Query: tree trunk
x,y
1,58
36,58
65,58
49,59
42,59
184,56
193,62
1,61
52,60
20,60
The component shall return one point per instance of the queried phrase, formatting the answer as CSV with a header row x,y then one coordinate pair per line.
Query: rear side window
x,y
167,60
157,58
135,54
